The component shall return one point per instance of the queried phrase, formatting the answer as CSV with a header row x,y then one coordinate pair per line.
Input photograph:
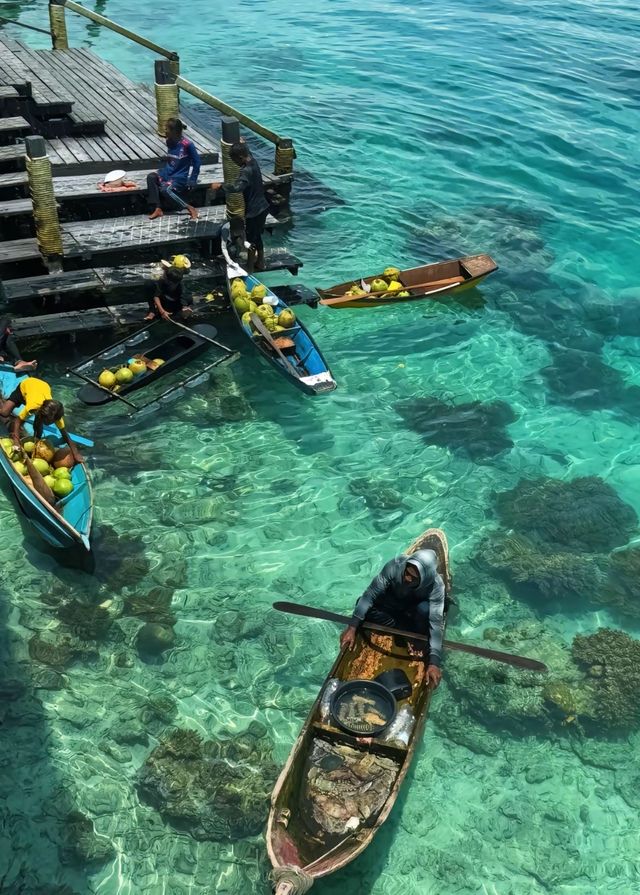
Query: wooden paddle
x,y
440,284
39,484
497,656
266,335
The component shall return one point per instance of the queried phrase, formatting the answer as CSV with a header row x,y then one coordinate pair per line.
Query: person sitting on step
x,y
169,297
9,352
179,172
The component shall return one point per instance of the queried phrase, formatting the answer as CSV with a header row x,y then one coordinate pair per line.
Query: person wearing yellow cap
x,y
169,296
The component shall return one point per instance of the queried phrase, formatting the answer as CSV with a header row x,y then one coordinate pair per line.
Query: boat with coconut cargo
x,y
353,753
395,286
129,372
52,491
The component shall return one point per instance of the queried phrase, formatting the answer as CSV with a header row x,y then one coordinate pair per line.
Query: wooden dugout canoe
x,y
296,842
427,281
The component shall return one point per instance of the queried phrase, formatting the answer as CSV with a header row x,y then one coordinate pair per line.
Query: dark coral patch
x,y
216,789
474,430
612,660
585,514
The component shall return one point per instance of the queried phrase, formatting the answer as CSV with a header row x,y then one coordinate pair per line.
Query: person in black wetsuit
x,y
249,183
408,594
9,352
170,297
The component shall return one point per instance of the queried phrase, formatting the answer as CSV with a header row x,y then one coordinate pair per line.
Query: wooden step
x,y
84,239
13,127
132,276
15,207
12,156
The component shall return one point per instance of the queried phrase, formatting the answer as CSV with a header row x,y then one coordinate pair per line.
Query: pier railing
x,y
168,83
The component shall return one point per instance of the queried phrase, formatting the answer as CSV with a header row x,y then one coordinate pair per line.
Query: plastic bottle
x,y
325,702
399,731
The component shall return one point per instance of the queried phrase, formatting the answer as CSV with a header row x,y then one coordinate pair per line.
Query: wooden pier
x,y
67,117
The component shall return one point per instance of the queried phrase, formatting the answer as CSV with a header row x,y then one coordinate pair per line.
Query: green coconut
x,y
61,473
124,375
50,480
391,273
20,467
42,466
241,303
264,312
246,318
379,285
286,318
258,292
62,487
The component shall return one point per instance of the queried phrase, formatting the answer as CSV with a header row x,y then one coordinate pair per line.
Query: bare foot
x,y
193,214
150,317
25,365
158,213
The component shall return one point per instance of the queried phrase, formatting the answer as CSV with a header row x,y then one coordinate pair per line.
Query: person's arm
x,y
194,158
157,300
186,298
77,456
240,185
369,598
16,422
436,631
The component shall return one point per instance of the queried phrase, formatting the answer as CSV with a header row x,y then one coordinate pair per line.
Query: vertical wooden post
x,y
285,154
45,210
57,21
230,171
174,65
167,99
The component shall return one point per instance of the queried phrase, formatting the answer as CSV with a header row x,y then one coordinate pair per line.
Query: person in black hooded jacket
x,y
409,594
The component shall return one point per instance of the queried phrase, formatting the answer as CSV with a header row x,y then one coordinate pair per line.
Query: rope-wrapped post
x,y
285,154
230,171
58,24
45,210
167,99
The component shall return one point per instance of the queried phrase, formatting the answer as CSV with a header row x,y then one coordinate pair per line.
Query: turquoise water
x,y
446,128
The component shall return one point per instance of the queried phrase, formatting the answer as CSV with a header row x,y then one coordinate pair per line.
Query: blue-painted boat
x,y
302,362
68,523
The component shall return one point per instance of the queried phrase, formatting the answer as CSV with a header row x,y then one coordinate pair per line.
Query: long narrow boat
x,y
336,789
427,281
173,352
299,359
68,523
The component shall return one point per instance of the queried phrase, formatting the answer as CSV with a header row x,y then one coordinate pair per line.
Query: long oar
x,y
496,655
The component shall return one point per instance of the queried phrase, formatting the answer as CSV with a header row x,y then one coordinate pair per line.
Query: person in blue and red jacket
x,y
179,172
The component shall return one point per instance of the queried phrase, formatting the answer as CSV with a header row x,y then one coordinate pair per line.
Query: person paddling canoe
x,y
408,594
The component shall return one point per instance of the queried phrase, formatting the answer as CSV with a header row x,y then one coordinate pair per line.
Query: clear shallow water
x,y
445,129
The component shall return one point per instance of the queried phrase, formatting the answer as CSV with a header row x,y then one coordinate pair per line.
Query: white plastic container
x,y
398,733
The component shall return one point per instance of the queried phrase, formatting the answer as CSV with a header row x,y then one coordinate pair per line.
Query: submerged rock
x,y
82,844
474,429
56,650
153,606
86,621
214,789
153,639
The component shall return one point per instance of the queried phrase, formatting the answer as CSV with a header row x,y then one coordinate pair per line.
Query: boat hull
x,y
291,840
175,352
468,272
312,375
68,524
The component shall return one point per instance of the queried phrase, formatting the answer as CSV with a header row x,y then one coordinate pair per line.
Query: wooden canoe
x,y
67,523
296,842
300,360
427,281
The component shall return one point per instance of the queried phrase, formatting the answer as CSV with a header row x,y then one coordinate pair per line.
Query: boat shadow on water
x,y
42,826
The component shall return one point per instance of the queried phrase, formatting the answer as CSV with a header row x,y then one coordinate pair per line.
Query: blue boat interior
x,y
75,508
305,356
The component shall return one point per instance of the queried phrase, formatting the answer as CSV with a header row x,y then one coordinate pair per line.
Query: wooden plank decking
x,y
98,93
